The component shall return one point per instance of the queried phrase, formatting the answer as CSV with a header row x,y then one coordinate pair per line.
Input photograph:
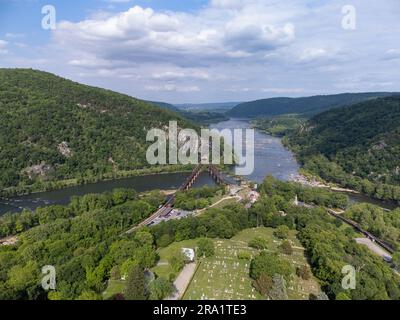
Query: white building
x,y
189,254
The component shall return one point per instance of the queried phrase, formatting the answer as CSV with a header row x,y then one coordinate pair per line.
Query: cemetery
x,y
225,276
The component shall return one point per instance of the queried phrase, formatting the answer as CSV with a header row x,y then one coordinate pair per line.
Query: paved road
x,y
374,247
182,282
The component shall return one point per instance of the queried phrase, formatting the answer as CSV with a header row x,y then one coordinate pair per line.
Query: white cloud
x,y
3,45
228,4
392,54
178,75
173,87
309,54
231,50
143,35
14,35
91,63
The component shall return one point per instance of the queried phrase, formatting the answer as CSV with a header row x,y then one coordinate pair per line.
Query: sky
x,y
192,51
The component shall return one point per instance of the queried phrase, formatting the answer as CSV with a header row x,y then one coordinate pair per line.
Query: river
x,y
169,181
270,156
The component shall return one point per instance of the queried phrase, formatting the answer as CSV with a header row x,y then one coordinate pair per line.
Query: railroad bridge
x,y
213,171
187,184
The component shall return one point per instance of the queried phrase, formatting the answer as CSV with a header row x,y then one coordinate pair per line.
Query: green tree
x,y
177,261
160,288
90,296
396,260
205,248
145,238
136,287
282,232
263,284
286,248
21,277
115,273
342,296
303,272
258,243
269,264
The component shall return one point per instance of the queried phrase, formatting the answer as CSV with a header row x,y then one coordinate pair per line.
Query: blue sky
x,y
209,50
20,16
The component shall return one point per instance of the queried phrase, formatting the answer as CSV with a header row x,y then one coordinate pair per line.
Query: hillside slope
x,y
164,105
306,106
53,129
363,140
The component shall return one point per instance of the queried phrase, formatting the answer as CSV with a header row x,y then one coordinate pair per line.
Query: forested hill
x,y
363,139
53,129
164,105
306,106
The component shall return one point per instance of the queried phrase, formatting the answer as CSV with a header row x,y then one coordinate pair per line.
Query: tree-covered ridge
x,y
354,145
305,106
279,125
53,129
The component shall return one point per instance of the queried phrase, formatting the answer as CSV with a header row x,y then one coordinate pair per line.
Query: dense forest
x,y
53,129
306,106
164,105
356,146
204,117
384,225
278,126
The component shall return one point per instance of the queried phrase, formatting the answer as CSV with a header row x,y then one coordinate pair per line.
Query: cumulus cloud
x,y
143,35
231,49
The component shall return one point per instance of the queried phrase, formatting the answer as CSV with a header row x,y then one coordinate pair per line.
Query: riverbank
x,y
62,184
314,183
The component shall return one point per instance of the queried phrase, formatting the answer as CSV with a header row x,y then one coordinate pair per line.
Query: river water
x,y
271,158
167,181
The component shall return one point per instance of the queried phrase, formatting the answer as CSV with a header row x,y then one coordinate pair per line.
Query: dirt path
x,y
238,198
182,282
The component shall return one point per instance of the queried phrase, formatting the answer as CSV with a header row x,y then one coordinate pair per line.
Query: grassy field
x,y
225,203
298,289
223,276
163,269
226,277
114,287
